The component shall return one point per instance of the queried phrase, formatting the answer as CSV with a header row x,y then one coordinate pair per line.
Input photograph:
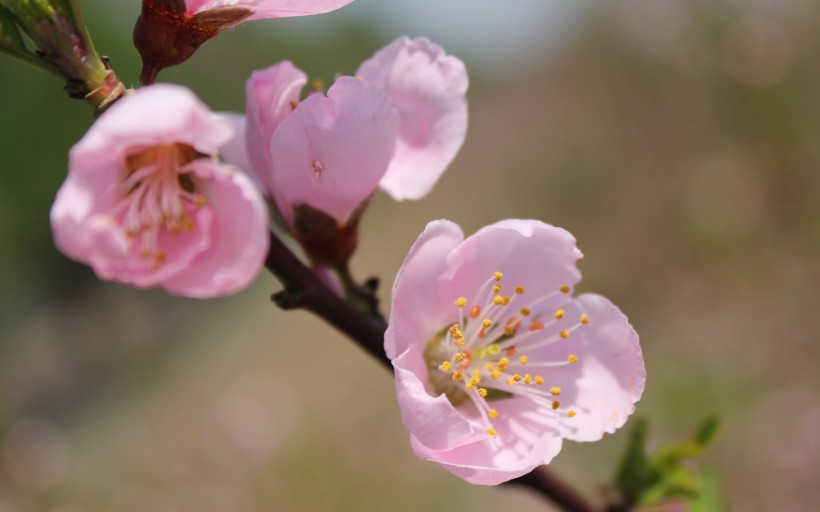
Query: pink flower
x,y
427,89
495,362
147,203
169,32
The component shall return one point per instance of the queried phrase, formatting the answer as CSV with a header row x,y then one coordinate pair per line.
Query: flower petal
x,y
429,89
415,312
433,421
603,387
519,448
271,96
271,8
332,151
152,115
239,237
540,257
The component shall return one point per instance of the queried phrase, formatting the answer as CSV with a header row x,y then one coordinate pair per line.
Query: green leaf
x,y
634,472
680,482
672,454
711,497
9,35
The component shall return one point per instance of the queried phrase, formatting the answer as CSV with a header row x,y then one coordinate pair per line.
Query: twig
x,y
304,290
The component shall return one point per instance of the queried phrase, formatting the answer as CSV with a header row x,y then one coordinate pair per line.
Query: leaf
x,y
672,454
680,482
634,472
711,497
9,36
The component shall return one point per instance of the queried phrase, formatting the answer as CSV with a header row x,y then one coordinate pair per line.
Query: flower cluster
x,y
496,363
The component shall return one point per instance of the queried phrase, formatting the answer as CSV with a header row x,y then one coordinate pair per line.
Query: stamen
x,y
584,319
461,302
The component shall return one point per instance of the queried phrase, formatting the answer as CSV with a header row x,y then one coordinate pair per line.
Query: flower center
x,y
487,355
159,195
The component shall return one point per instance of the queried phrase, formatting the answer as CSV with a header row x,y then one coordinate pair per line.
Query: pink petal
x,y
271,8
271,94
157,114
520,447
432,420
603,387
529,253
239,237
429,89
415,312
332,151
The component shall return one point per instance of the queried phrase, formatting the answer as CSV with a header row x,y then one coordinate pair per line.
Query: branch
x,y
304,290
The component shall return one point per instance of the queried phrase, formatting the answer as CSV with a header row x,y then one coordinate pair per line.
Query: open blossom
x,y
168,32
495,361
426,88
147,203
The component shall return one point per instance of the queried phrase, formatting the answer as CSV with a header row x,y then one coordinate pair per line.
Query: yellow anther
x,y
509,330
487,322
527,379
525,311
476,375
482,392
488,367
560,314
497,276
461,302
564,334
503,361
564,289
492,432
523,359
516,377
572,358
457,334
519,290
584,318
493,349
495,374
511,381
496,288
493,414
459,342
498,300
539,379
459,357
555,405
555,391
470,384
293,104
571,413
446,366
505,299
458,375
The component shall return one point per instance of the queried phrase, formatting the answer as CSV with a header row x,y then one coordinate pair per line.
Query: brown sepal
x,y
326,241
166,35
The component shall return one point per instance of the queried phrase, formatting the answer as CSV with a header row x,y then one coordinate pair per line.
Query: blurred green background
x,y
678,141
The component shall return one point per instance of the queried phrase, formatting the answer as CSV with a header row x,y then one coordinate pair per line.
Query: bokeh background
x,y
680,143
